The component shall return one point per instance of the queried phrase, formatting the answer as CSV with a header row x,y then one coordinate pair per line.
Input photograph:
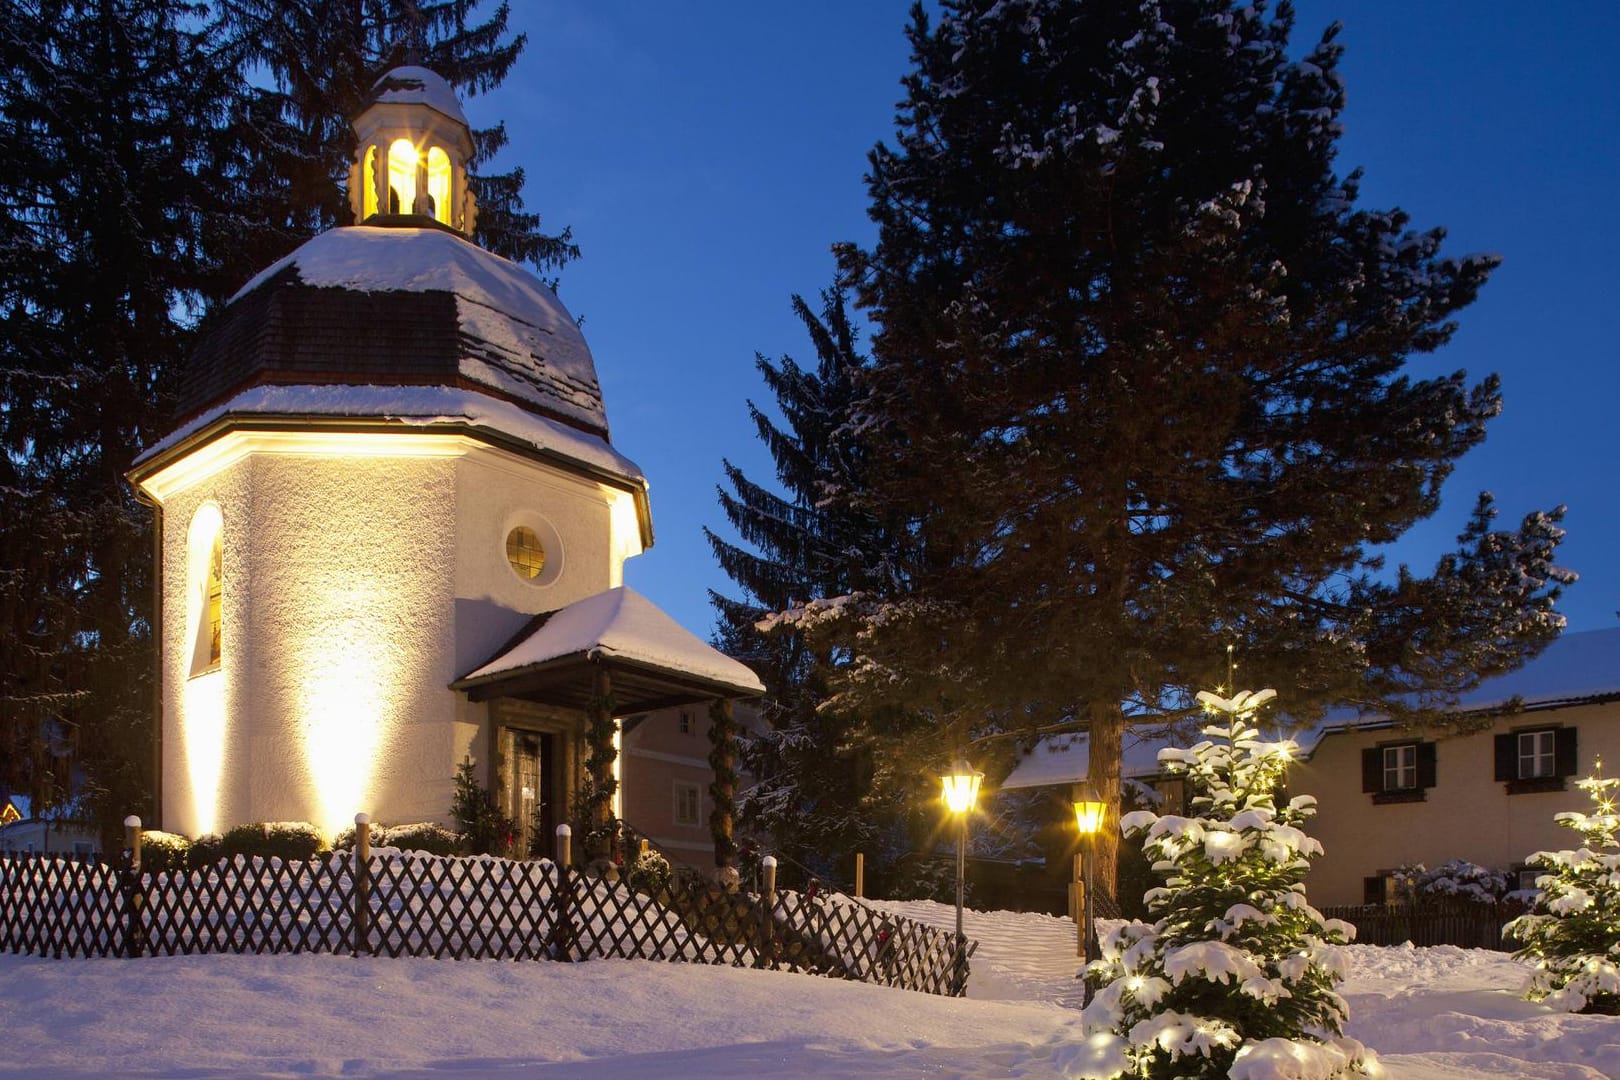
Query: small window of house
x,y
1527,878
1399,772
525,552
205,549
1377,889
684,723
1536,759
686,804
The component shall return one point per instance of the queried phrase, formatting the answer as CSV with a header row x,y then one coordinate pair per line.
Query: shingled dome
x,y
400,306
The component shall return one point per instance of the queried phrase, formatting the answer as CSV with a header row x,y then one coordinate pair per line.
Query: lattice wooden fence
x,y
480,907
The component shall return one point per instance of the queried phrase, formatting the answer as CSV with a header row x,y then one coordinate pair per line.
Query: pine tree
x,y
812,792
1573,935
1235,976
1140,382
108,112
322,58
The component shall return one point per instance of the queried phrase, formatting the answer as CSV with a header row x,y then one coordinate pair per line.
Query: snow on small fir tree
x,y
1573,934
1236,976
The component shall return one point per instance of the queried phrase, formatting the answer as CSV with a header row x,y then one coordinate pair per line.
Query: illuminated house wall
x,y
357,586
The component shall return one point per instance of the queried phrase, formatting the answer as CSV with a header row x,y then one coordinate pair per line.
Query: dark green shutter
x,y
1372,769
1427,759
1507,757
1564,757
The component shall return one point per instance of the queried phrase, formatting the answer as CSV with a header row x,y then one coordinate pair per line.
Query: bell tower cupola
x,y
412,146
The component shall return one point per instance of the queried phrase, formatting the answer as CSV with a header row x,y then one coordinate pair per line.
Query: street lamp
x,y
1089,811
961,790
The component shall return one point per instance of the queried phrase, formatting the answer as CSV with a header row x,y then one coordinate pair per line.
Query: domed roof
x,y
414,85
396,306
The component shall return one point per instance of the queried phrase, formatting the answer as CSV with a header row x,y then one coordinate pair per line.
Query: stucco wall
x,y
357,587
1467,814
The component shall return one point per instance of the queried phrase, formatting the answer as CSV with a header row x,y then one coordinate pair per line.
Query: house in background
x,y
54,831
1389,797
393,526
665,775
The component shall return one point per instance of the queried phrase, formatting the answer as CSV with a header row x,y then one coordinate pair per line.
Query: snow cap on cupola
x,y
411,153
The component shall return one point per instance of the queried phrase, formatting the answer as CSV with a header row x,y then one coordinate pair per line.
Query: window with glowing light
x,y
205,545
368,181
525,553
402,164
438,184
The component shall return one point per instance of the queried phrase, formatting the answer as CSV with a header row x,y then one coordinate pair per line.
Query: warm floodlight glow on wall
x,y
202,726
351,673
625,523
402,164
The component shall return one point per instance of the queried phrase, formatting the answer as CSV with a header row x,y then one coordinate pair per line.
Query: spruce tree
x,y
811,791
108,112
1144,378
322,57
1573,934
1235,976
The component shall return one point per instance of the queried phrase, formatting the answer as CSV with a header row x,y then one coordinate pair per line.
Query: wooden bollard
x,y
860,875
134,895
362,885
561,931
767,908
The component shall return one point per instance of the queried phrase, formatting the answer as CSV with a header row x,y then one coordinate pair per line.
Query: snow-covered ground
x,y
1433,1014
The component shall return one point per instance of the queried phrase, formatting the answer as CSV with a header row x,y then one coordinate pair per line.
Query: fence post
x,y
360,926
767,906
561,930
860,874
134,895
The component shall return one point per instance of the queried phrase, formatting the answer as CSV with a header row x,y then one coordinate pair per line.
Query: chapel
x,y
392,526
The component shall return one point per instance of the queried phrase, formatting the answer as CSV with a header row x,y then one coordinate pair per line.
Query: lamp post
x,y
1089,810
961,790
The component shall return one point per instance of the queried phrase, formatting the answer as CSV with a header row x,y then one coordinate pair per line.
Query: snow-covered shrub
x,y
1235,977
205,851
649,873
1457,879
281,839
423,836
163,850
1573,933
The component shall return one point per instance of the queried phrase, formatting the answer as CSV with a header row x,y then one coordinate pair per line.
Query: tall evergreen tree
x,y
322,58
812,791
107,112
1140,389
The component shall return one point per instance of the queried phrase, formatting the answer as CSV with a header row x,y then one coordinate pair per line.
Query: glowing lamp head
x,y
1089,810
961,787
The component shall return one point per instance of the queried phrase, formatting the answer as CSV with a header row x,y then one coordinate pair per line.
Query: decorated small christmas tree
x,y
1235,977
1573,935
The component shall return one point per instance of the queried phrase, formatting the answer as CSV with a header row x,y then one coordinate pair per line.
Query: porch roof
x,y
654,661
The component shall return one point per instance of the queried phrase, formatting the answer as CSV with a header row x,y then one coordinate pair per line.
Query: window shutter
x,y
1565,752
1507,757
1372,769
1426,764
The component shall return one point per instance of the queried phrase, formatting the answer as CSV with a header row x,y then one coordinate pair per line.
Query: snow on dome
x,y
625,625
511,331
411,84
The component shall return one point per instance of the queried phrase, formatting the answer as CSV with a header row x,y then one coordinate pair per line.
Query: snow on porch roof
x,y
622,629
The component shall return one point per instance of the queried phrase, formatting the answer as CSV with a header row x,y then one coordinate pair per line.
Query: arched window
x,y
402,162
205,550
438,170
368,180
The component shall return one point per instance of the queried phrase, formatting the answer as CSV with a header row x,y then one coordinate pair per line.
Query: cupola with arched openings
x,y
411,152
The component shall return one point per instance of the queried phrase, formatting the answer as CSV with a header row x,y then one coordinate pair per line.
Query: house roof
x,y
1576,668
396,305
653,659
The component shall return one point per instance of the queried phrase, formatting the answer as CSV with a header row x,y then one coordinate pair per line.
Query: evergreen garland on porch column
x,y
601,841
723,791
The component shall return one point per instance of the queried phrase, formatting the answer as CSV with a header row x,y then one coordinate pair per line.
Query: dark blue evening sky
x,y
707,154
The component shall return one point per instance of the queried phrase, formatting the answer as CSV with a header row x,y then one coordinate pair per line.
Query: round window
x,y
525,553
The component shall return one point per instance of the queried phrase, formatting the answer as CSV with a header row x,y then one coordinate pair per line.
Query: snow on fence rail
x,y
460,907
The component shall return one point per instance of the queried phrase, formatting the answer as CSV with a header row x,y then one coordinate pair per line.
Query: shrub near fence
x,y
476,907
1467,925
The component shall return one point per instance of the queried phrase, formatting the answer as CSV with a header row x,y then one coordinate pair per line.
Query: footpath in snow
x,y
1432,1014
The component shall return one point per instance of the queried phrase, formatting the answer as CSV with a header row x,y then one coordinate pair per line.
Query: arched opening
x,y
438,170
205,550
402,164
368,181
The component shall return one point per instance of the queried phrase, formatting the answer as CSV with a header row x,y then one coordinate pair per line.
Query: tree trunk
x,y
1105,743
